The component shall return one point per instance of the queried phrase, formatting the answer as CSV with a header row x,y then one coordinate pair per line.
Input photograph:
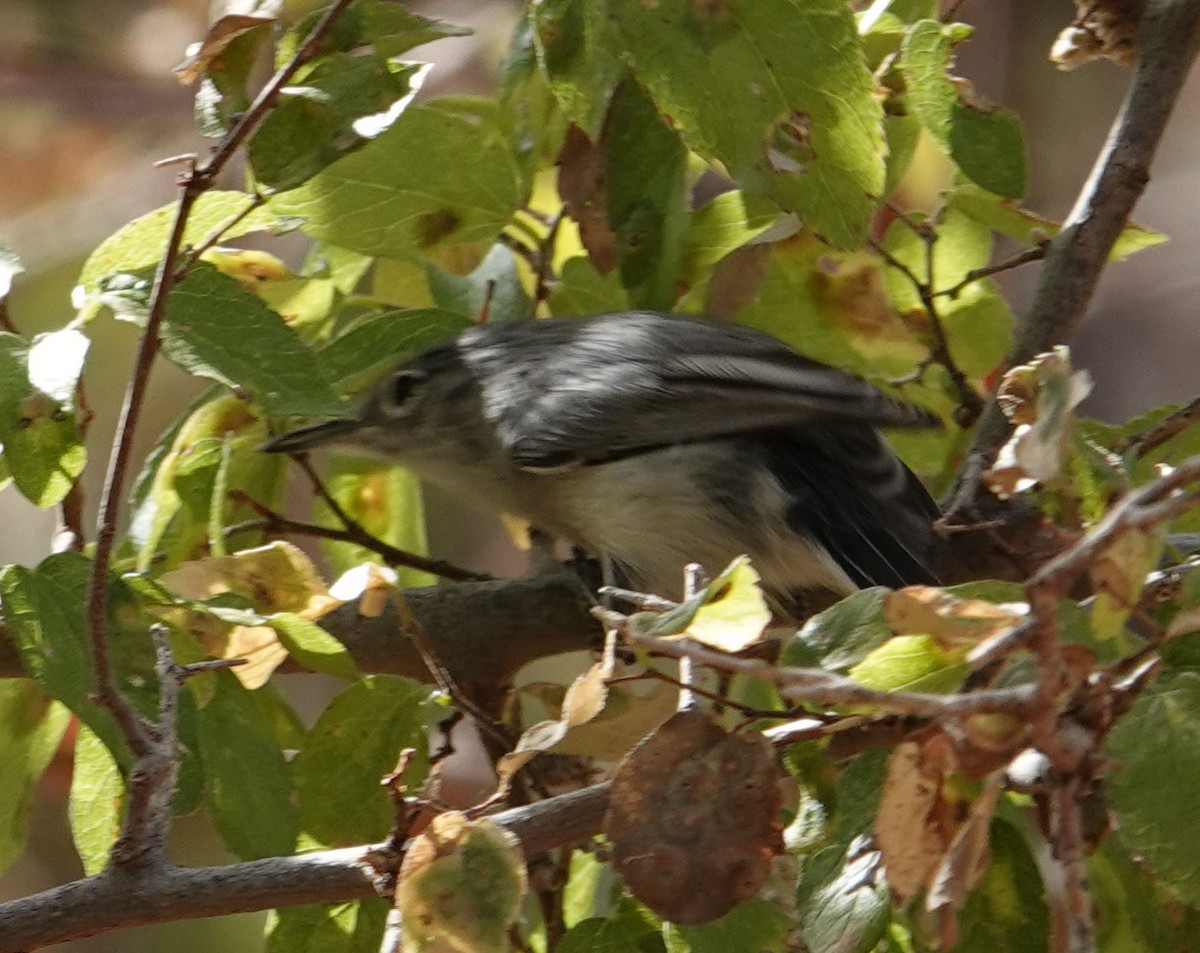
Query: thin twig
x,y
1175,423
545,262
273,522
969,401
256,201
442,677
1023,257
818,687
198,179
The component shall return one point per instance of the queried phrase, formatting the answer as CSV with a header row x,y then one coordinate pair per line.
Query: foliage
x,y
423,218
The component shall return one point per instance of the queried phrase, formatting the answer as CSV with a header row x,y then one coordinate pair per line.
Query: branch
x,y
276,523
818,687
120,898
1170,33
141,735
483,632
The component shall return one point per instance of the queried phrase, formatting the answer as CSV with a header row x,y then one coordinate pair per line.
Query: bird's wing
x,y
617,385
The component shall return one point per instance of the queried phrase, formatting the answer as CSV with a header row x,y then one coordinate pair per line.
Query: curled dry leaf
x,y
216,41
461,887
1040,398
953,622
584,701
693,817
372,585
1105,28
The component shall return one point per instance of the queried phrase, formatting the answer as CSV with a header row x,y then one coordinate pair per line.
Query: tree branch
x,y
120,898
1075,258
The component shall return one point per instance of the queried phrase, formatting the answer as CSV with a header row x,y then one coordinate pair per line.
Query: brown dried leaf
x,y
584,701
1101,28
220,35
694,818
953,622
1040,398
911,826
275,578
581,185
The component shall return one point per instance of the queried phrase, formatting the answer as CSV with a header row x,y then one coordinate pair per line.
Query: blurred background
x,y
88,103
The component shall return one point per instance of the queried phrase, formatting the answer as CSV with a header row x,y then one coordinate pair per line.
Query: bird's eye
x,y
404,385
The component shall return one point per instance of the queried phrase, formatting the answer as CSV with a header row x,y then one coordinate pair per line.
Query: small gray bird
x,y
656,441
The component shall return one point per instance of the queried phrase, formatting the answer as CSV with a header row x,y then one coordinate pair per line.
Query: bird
x,y
656,441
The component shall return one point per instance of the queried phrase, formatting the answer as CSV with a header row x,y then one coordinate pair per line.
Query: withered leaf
x,y
461,886
581,185
694,818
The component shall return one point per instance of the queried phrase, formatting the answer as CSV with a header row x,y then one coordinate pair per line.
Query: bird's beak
x,y
309,438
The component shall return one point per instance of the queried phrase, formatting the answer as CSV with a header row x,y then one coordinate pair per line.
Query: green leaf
x,y
390,28
727,222
316,120
1006,912
843,635
645,163
777,91
1133,912
912,663
313,647
43,608
1158,739
985,142
31,728
581,57
755,925
356,741
1008,218
143,241
495,284
581,290
38,432
393,197
529,109
96,802
729,614
590,890
386,501
978,322
843,904
218,330
353,927
618,935
359,354
831,306
249,787
903,133
174,500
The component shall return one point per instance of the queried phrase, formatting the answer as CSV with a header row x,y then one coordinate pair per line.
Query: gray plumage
x,y
658,440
